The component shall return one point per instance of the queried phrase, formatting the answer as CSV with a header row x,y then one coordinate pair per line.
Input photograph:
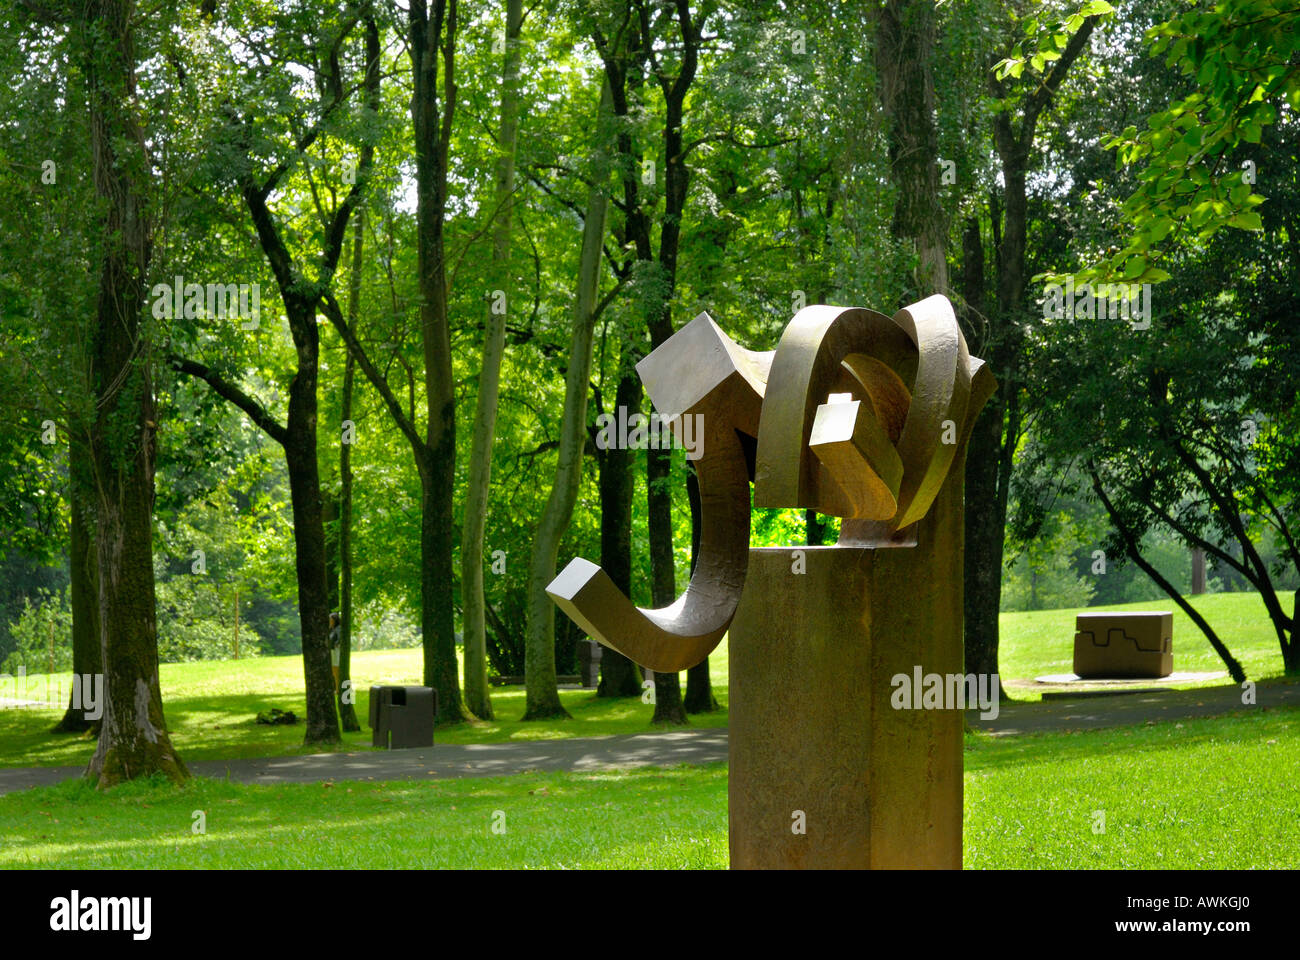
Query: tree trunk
x,y
480,465
1291,649
619,676
814,528
668,695
699,685
984,528
330,520
309,529
347,695
437,461
993,438
87,658
133,740
904,52
541,690
668,689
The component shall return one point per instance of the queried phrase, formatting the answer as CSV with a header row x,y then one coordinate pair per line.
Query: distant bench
x,y
1124,645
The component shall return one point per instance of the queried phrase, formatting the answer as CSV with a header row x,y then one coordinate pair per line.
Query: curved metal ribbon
x,y
699,370
921,346
856,414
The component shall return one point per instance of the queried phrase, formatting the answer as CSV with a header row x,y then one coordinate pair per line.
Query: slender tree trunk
x,y
619,676
814,528
330,519
699,686
1291,650
347,695
668,689
133,740
480,466
1198,571
542,693
668,695
984,528
432,25
87,657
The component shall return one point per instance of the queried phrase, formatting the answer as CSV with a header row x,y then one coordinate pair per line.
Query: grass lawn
x,y
1041,642
211,706
1030,802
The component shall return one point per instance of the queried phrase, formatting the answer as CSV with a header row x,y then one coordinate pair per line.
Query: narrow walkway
x,y
615,752
626,751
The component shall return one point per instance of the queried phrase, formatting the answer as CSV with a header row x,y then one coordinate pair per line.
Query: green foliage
x,y
1048,574
377,626
196,621
42,633
1045,36
1240,59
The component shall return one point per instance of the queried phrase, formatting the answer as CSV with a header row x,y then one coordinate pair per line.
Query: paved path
x,y
625,751
618,752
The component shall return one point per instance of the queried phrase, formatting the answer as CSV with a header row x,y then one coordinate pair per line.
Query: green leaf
x,y
1247,221
1134,267
1160,229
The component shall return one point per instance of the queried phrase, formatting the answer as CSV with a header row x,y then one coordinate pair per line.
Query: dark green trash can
x,y
402,717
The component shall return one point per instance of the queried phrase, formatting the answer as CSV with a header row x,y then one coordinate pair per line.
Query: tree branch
x,y
232,394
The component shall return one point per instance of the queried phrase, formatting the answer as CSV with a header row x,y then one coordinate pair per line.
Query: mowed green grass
x,y
1041,642
1029,802
211,707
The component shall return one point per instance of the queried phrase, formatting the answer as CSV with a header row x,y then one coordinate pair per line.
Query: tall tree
x,y
302,296
542,696
485,414
133,738
999,341
431,42
639,49
619,676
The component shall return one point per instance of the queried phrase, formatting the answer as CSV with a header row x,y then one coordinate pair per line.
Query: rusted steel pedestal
x,y
812,728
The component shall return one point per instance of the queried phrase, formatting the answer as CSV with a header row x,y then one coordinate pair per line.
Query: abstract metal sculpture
x,y
1124,645
860,416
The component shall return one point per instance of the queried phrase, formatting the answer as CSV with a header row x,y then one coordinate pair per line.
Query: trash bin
x,y
588,662
402,717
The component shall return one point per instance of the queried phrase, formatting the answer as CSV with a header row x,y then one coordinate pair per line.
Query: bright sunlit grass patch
x,y
1029,802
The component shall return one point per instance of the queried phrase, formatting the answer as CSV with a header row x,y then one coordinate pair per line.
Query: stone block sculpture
x,y
1124,645
859,416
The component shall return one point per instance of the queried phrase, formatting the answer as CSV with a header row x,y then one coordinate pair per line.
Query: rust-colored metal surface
x,y
860,416
697,371
824,773
1124,645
